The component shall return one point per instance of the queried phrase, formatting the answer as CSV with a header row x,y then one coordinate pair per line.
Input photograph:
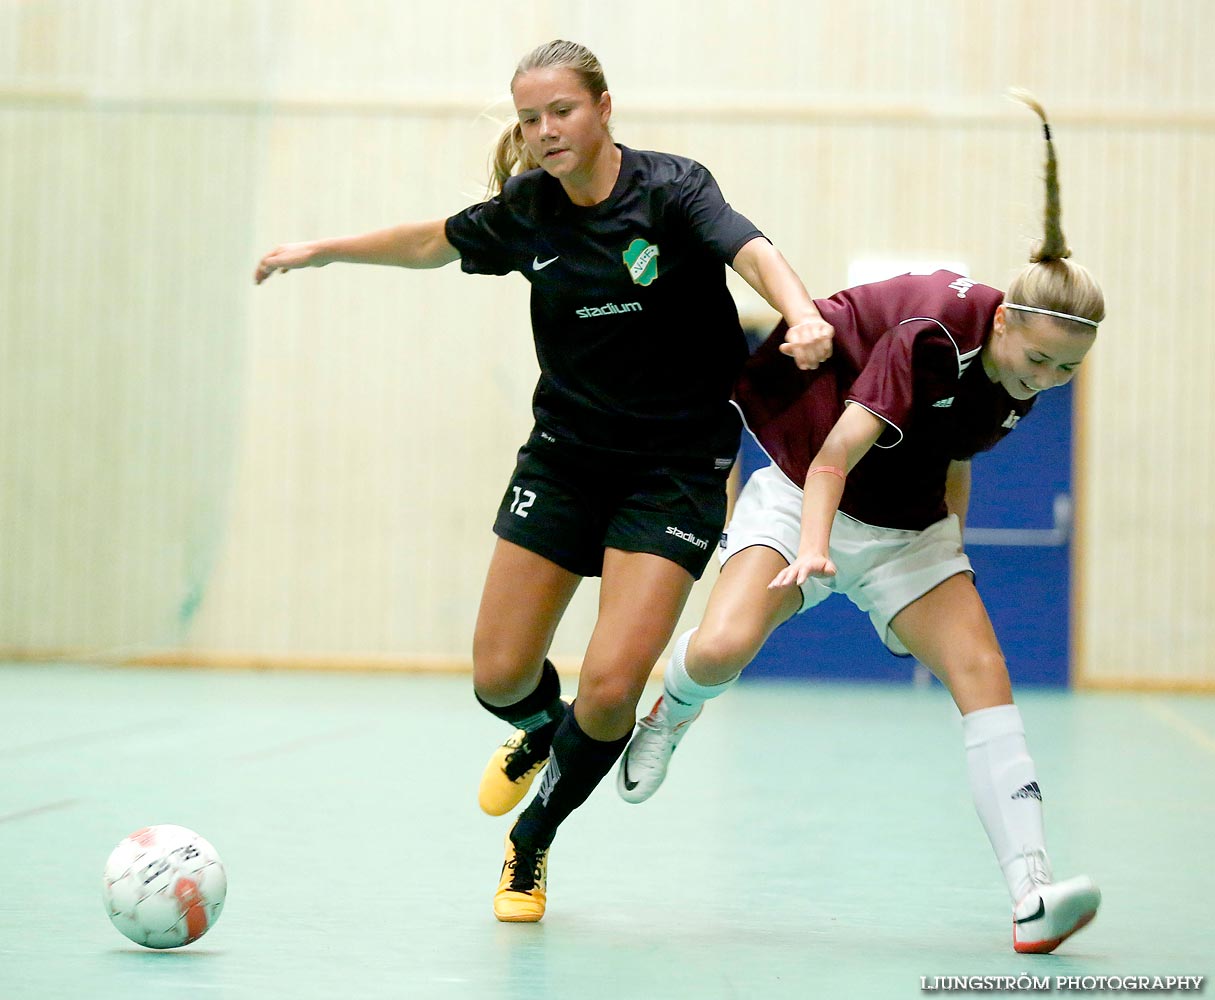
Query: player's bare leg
x,y
641,598
524,597
948,630
640,601
522,602
742,612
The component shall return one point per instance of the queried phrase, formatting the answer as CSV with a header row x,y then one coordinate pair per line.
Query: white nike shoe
x,y
648,755
1050,913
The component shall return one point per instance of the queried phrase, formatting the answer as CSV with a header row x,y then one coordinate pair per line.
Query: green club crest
x,y
641,258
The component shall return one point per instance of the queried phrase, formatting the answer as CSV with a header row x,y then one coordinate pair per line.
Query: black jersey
x,y
636,334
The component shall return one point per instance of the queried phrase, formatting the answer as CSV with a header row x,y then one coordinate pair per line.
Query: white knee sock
x,y
1006,794
683,695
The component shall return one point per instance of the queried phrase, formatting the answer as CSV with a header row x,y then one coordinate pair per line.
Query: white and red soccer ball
x,y
164,886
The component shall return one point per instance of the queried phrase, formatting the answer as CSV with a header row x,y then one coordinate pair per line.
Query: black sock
x,y
540,709
577,763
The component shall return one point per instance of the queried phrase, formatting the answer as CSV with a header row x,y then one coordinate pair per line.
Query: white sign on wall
x,y
863,270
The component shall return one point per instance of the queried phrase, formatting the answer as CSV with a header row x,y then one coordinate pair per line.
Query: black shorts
x,y
568,504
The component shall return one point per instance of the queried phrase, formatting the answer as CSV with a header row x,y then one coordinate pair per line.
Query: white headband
x,y
1051,312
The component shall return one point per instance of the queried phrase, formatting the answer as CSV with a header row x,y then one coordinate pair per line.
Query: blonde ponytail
x,y
510,155
1051,282
1053,246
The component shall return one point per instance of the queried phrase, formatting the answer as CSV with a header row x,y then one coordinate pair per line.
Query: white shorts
x,y
881,570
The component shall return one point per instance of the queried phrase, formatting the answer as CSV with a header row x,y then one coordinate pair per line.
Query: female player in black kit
x,y
624,474
927,370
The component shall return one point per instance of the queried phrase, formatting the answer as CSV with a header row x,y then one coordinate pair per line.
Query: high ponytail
x,y
1051,282
510,155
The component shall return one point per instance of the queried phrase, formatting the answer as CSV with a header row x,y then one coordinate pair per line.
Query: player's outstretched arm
x,y
764,268
854,433
411,244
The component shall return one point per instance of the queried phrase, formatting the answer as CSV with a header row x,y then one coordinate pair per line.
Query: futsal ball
x,y
164,886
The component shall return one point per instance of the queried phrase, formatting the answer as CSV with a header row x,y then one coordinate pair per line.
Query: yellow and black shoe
x,y
510,773
523,889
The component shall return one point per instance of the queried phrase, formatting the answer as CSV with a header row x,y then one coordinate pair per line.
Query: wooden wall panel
x,y
310,469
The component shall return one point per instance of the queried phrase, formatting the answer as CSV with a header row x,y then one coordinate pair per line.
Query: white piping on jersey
x,y
964,360
773,462
896,427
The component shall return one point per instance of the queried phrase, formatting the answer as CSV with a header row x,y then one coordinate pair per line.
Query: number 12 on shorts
x,y
523,500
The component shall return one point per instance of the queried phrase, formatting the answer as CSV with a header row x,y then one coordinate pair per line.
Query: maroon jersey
x,y
907,350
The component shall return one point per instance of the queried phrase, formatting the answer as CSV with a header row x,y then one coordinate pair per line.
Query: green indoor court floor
x,y
812,840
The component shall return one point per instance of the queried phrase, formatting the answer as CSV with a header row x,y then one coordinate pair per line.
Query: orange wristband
x,y
829,469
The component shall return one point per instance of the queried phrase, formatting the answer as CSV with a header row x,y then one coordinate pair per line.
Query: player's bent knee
x,y
719,654
609,694
502,679
980,670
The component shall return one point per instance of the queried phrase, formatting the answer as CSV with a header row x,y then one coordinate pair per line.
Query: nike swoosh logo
x,y
630,785
540,265
1034,916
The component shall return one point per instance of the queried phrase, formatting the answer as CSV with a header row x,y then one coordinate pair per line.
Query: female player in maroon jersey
x,y
624,474
927,370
